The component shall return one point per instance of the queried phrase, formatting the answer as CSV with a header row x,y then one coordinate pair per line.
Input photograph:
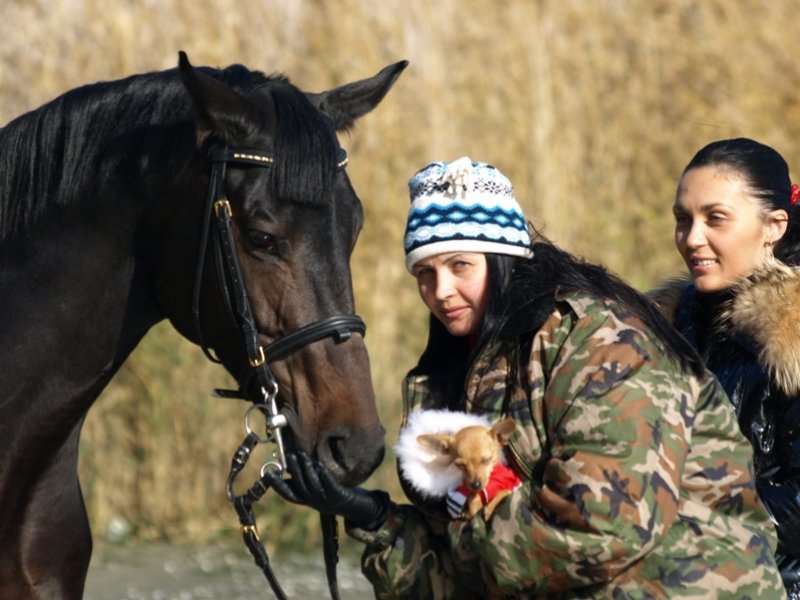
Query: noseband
x,y
256,375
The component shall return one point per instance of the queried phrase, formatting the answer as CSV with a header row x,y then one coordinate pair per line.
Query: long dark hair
x,y
766,175
522,296
527,297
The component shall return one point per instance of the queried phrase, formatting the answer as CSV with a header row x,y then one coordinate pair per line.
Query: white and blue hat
x,y
463,206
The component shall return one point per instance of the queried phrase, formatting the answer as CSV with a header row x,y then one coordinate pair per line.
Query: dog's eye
x,y
486,460
459,462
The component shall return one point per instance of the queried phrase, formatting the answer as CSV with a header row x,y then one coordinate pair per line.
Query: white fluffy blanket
x,y
428,471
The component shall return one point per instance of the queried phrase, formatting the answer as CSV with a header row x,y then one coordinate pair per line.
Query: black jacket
x,y
749,337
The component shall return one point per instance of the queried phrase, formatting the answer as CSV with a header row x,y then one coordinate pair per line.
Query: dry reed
x,y
591,108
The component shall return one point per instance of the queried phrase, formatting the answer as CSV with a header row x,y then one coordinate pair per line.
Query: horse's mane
x,y
59,154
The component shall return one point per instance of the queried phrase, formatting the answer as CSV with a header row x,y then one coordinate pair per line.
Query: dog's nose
x,y
475,485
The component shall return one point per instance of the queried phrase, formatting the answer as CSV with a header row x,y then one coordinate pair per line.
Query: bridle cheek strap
x,y
229,275
237,307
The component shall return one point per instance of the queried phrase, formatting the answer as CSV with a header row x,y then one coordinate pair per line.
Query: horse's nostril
x,y
335,444
351,455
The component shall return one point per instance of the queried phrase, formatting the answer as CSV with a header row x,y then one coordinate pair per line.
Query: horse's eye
x,y
263,241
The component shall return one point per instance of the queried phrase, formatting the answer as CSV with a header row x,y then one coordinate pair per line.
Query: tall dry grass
x,y
590,107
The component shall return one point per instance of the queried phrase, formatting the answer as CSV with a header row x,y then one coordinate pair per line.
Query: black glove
x,y
311,484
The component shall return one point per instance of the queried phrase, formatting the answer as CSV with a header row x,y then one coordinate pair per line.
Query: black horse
x,y
105,210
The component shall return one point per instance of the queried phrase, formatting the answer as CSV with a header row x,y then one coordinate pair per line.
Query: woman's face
x,y
454,286
720,228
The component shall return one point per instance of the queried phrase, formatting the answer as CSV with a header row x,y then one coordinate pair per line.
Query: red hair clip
x,y
795,194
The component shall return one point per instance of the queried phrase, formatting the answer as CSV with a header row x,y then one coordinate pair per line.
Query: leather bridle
x,y
256,376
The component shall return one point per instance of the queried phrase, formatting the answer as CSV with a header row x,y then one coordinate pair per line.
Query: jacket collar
x,y
668,295
766,309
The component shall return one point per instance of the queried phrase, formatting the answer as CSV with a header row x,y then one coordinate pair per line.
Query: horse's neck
x,y
76,295
75,305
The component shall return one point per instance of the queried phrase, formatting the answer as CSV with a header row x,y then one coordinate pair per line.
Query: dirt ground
x,y
163,572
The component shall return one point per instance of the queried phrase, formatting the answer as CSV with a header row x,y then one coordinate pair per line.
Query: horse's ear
x,y
346,103
218,108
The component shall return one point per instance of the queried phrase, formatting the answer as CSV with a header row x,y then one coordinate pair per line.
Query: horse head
x,y
294,220
108,197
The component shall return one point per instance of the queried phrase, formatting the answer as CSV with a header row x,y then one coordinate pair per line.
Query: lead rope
x,y
243,504
330,550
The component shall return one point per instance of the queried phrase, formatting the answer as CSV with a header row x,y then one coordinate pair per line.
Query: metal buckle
x,y
222,205
260,360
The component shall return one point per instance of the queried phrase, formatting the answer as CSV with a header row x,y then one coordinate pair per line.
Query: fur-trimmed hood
x,y
765,308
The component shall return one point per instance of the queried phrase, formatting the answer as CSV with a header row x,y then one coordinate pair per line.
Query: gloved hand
x,y
312,485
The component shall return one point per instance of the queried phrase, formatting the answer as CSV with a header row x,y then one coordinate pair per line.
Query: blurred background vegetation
x,y
591,107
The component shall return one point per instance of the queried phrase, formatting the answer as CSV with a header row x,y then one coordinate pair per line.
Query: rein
x,y
257,374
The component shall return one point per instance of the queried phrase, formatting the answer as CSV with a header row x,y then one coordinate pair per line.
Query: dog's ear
x,y
439,442
502,430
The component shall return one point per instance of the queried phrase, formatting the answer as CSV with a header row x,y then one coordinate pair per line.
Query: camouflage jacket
x,y
638,482
751,342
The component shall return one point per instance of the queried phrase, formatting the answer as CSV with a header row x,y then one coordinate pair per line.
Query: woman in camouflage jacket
x,y
636,480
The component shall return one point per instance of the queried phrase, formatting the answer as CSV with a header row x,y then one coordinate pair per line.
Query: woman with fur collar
x,y
736,228
635,479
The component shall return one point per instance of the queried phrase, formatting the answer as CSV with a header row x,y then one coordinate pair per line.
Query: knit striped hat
x,y
463,206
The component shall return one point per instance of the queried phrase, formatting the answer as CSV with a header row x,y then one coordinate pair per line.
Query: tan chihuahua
x,y
475,450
